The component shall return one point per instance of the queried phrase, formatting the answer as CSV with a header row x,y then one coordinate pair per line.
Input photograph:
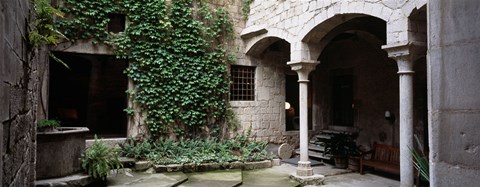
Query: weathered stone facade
x,y
308,27
315,31
454,104
20,93
281,31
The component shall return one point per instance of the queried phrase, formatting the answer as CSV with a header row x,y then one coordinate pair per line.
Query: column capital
x,y
406,53
303,68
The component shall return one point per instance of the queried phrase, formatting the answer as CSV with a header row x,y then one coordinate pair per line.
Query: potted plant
x,y
58,149
340,146
99,159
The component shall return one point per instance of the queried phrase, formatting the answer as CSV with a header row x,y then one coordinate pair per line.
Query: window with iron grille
x,y
242,87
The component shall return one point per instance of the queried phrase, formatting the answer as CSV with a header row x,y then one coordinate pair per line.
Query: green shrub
x,y
197,151
48,124
99,159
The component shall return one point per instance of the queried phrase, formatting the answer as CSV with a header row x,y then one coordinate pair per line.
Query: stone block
x,y
160,168
189,168
142,165
150,170
127,162
236,165
258,165
208,167
309,180
386,13
72,180
174,167
276,162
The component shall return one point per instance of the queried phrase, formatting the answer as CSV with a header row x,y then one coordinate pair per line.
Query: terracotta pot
x,y
341,162
353,163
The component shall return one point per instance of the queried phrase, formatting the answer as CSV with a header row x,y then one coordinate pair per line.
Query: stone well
x,y
58,153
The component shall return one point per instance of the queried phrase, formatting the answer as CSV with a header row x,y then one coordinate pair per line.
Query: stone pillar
x,y
405,55
406,121
453,92
303,68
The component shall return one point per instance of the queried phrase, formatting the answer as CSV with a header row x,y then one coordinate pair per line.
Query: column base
x,y
308,180
304,168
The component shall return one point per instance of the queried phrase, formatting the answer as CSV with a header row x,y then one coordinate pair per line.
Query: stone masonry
x,y
20,106
454,104
309,26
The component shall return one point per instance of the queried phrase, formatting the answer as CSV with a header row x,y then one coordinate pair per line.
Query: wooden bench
x,y
383,157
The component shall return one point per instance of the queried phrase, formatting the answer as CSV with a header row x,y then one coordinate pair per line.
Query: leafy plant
x,y
48,124
246,8
420,160
99,159
341,145
167,151
43,28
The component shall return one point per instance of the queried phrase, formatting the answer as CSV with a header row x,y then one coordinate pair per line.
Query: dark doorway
x,y
89,94
342,100
292,103
292,108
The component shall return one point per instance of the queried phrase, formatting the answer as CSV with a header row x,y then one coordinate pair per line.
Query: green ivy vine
x,y
246,8
178,54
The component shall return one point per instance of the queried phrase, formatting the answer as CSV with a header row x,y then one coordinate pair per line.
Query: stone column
x,y
303,68
406,120
405,55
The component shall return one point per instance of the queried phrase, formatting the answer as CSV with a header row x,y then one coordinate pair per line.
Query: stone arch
x,y
256,46
417,26
317,28
412,6
366,25
340,12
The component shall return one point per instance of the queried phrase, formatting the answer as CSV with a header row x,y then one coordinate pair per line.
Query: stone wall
x,y
266,114
315,23
19,95
454,104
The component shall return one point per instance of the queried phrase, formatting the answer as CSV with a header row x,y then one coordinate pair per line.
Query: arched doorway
x,y
356,83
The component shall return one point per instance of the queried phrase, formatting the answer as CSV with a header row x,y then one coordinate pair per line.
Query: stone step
x,y
71,180
221,178
142,179
276,176
315,154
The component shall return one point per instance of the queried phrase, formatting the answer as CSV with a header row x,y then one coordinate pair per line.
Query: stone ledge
x,y
68,181
258,165
127,162
308,180
142,165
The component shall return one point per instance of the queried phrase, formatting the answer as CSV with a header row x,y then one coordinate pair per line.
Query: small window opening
x,y
242,87
116,23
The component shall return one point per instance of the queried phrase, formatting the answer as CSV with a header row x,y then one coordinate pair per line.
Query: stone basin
x,y
58,152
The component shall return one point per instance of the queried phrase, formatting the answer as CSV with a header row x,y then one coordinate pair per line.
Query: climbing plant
x,y
178,54
42,30
246,8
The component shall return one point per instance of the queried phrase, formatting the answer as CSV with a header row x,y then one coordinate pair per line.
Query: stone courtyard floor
x,y
277,176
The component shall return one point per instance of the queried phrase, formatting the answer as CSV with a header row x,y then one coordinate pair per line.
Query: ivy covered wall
x,y
178,53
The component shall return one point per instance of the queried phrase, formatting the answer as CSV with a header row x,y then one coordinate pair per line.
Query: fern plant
x,y
99,159
48,125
